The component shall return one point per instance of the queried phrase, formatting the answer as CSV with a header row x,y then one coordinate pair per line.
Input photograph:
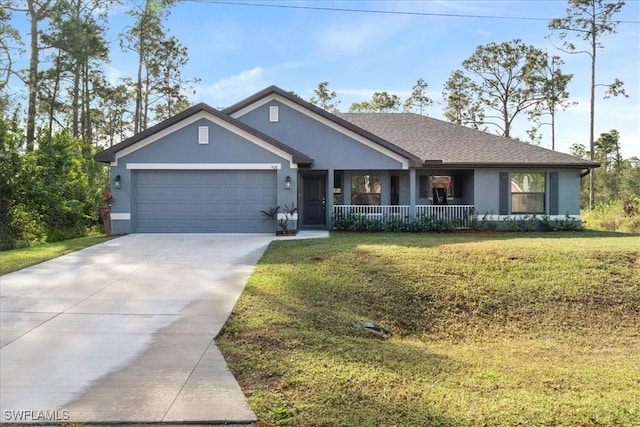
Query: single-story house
x,y
206,170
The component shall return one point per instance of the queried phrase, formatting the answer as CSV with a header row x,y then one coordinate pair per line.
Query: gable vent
x,y
273,114
203,134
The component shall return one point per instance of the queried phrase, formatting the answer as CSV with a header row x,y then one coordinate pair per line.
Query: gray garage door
x,y
203,201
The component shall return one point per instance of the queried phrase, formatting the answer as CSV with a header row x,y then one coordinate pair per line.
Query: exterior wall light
x,y
287,183
116,182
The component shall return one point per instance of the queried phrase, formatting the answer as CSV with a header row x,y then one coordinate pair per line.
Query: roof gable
x,y
332,120
191,115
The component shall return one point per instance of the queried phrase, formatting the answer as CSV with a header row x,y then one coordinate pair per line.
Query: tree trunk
x,y
75,107
54,95
35,16
33,80
137,118
505,117
553,128
167,85
88,125
145,114
592,150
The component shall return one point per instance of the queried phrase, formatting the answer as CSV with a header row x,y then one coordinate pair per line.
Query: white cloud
x,y
114,75
236,87
352,40
484,33
347,39
294,65
354,36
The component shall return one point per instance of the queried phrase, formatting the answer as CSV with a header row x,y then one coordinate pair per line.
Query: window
x,y
337,188
203,135
527,192
395,190
366,190
429,182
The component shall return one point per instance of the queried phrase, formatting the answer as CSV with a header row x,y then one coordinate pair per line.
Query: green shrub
x,y
22,229
568,223
618,215
49,194
364,223
394,223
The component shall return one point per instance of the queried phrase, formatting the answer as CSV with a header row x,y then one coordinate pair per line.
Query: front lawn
x,y
17,259
488,329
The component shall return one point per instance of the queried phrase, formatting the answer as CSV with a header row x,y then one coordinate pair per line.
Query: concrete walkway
x,y
123,331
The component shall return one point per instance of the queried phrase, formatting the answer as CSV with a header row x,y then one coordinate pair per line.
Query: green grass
x,y
495,329
17,259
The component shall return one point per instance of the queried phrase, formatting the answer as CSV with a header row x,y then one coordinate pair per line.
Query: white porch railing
x,y
400,211
461,215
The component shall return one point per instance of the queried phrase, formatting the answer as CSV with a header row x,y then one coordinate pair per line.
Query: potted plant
x,y
282,219
289,221
105,212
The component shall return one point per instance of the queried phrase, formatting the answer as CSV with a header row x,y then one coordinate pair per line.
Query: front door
x,y
314,198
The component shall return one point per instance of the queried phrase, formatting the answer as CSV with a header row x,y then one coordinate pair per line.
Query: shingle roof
x,y
433,139
109,154
419,138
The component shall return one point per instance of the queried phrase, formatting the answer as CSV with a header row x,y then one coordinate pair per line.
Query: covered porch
x,y
398,196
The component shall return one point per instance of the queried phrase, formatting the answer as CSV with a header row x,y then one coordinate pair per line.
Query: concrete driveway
x,y
123,331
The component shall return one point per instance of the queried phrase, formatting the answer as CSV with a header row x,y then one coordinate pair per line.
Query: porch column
x,y
412,193
329,196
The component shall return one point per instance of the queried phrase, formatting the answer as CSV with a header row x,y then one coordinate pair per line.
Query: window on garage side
x,y
366,190
528,192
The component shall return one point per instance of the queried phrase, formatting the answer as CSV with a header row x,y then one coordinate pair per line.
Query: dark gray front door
x,y
203,201
314,193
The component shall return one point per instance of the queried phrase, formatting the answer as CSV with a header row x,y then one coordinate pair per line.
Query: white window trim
x,y
545,193
203,135
273,114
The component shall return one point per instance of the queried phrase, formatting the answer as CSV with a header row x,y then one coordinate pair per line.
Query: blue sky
x,y
237,50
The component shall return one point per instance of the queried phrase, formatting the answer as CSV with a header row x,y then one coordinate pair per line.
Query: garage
x,y
203,201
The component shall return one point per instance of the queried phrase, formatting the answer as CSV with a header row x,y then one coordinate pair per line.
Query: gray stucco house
x,y
205,170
